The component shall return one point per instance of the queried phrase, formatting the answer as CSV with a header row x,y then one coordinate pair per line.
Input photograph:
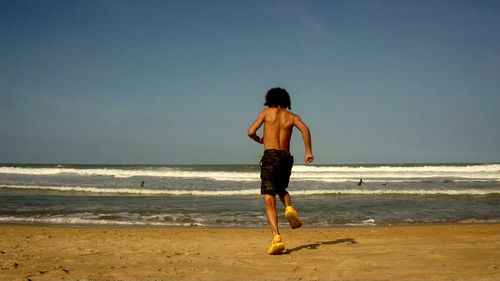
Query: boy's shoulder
x,y
270,112
274,109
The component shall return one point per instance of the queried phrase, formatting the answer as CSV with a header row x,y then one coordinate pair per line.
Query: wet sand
x,y
436,252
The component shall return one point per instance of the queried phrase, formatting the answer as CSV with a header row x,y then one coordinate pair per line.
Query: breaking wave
x,y
484,172
249,192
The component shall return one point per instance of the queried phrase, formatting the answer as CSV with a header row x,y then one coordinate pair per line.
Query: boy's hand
x,y
261,139
309,158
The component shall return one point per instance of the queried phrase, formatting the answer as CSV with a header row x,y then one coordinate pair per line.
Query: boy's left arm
x,y
252,132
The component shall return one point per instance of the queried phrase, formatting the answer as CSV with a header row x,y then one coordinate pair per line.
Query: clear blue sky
x,y
180,82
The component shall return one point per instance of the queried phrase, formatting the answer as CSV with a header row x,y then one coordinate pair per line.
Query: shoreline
x,y
201,227
423,252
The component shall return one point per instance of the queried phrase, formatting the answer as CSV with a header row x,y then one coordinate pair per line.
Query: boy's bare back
x,y
278,126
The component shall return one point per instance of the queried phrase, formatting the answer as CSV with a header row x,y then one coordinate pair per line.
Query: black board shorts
x,y
275,169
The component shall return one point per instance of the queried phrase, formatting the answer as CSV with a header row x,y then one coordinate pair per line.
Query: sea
x,y
229,195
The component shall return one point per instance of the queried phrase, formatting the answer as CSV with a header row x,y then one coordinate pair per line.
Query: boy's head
x,y
278,97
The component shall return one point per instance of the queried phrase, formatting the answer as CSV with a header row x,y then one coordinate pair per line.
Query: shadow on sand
x,y
314,246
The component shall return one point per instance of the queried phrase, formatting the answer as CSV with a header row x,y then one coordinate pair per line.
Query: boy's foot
x,y
292,217
277,246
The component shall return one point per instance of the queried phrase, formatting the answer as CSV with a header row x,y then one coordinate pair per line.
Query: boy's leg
x,y
285,199
290,213
277,245
272,215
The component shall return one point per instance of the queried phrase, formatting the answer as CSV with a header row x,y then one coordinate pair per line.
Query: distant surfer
x,y
276,163
360,182
142,184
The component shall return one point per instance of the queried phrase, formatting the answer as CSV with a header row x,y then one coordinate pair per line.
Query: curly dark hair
x,y
278,97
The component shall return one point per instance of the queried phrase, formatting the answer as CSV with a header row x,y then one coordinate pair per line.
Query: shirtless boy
x,y
276,164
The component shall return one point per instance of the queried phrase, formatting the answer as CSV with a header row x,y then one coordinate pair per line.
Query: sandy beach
x,y
437,252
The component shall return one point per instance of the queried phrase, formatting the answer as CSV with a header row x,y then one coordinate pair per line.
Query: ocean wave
x,y
124,173
401,169
83,221
127,173
249,192
132,222
299,173
134,191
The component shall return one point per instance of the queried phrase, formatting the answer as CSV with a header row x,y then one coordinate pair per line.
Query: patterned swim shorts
x,y
275,169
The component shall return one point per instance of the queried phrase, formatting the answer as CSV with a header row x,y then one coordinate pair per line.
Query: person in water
x,y
276,163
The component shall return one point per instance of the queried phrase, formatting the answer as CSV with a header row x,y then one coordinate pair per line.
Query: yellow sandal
x,y
292,217
276,248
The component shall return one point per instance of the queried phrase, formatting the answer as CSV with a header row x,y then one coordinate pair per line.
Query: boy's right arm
x,y
306,136
252,132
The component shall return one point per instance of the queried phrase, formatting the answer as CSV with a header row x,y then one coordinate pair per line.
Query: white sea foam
x,y
83,221
367,222
127,173
405,169
396,173
132,222
299,173
399,192
135,190
247,192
